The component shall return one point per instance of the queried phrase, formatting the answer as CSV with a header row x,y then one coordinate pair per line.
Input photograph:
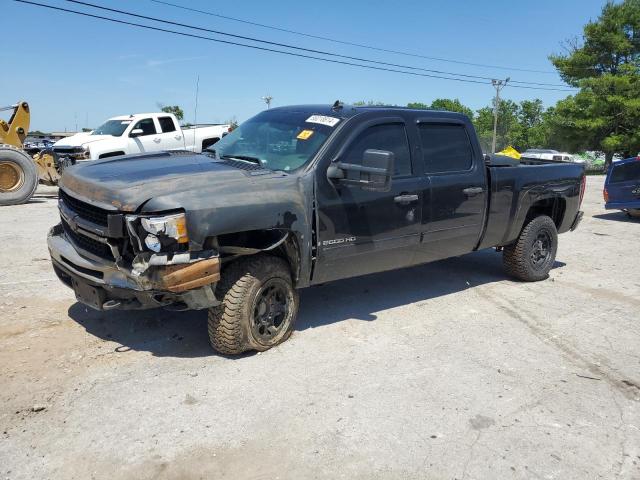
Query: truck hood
x,y
127,183
80,139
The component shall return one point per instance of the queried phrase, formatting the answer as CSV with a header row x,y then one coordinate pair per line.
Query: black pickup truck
x,y
298,196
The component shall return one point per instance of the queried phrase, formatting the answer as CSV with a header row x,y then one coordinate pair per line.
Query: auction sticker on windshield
x,y
323,120
305,134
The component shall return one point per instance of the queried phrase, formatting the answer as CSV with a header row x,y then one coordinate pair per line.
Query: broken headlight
x,y
166,233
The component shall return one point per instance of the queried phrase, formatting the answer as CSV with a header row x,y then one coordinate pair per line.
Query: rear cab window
x,y
445,147
625,172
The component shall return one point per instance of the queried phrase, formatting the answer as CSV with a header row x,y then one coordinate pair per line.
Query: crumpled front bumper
x,y
104,285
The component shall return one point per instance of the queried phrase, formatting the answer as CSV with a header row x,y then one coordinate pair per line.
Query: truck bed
x,y
553,183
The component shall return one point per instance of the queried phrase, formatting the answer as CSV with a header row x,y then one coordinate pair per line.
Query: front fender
x,y
274,203
102,147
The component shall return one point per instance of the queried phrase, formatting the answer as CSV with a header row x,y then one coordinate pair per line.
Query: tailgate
x,y
623,182
624,191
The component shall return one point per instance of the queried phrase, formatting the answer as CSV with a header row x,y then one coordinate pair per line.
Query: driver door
x,y
148,140
362,231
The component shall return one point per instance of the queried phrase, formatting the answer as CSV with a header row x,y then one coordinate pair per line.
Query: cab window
x,y
166,124
147,126
445,147
391,137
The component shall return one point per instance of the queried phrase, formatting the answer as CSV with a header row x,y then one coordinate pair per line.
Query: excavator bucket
x,y
47,163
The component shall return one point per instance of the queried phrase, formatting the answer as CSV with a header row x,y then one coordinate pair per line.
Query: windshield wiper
x,y
246,158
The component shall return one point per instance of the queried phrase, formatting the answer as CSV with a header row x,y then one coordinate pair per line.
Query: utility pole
x,y
267,100
498,85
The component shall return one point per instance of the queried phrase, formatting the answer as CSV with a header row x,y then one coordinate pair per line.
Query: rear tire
x,y
533,254
259,305
18,176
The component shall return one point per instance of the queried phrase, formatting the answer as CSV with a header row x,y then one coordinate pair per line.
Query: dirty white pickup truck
x,y
138,133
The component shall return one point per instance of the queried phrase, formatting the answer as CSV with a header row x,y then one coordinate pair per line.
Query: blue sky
x,y
75,70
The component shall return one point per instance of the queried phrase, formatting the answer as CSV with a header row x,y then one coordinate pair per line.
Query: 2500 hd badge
x,y
337,241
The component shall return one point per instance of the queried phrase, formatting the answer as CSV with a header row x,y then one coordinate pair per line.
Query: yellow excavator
x,y
19,172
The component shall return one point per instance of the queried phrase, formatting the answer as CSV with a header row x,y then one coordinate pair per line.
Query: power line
x,y
353,44
255,47
228,42
294,47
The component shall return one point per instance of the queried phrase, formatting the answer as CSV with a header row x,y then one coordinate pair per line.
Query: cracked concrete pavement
x,y
444,371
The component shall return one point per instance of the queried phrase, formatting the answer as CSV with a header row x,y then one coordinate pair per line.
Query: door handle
x,y
405,199
177,137
472,191
157,140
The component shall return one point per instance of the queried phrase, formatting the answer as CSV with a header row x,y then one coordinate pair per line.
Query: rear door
x,y
171,136
453,214
360,231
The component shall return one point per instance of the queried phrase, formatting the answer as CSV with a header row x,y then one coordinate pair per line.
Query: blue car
x,y
622,186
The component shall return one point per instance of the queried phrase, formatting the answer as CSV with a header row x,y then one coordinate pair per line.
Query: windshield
x,y
112,127
278,139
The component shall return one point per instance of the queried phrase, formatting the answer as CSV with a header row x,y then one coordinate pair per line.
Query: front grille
x,y
85,210
66,150
75,153
89,244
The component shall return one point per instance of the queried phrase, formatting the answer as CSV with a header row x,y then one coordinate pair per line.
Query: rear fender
x,y
531,205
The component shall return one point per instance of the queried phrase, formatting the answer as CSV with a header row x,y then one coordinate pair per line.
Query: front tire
x,y
18,176
533,254
259,305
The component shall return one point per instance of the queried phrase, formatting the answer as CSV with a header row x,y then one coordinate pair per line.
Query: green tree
x,y
175,109
448,104
533,125
509,131
418,105
605,64
451,105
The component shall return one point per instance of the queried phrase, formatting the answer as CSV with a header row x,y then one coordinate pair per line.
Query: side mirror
x,y
136,132
373,175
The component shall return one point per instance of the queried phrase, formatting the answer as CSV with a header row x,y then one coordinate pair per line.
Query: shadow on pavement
x,y
619,216
161,332
184,334
360,298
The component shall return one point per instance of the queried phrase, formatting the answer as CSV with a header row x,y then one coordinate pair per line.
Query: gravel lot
x,y
444,371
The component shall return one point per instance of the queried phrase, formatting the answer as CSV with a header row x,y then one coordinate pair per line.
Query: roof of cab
x,y
347,111
625,160
137,115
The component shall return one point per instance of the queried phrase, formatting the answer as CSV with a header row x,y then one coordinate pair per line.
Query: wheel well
x,y
551,207
279,242
110,154
207,142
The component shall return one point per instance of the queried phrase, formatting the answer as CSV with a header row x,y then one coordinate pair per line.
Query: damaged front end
x,y
114,260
